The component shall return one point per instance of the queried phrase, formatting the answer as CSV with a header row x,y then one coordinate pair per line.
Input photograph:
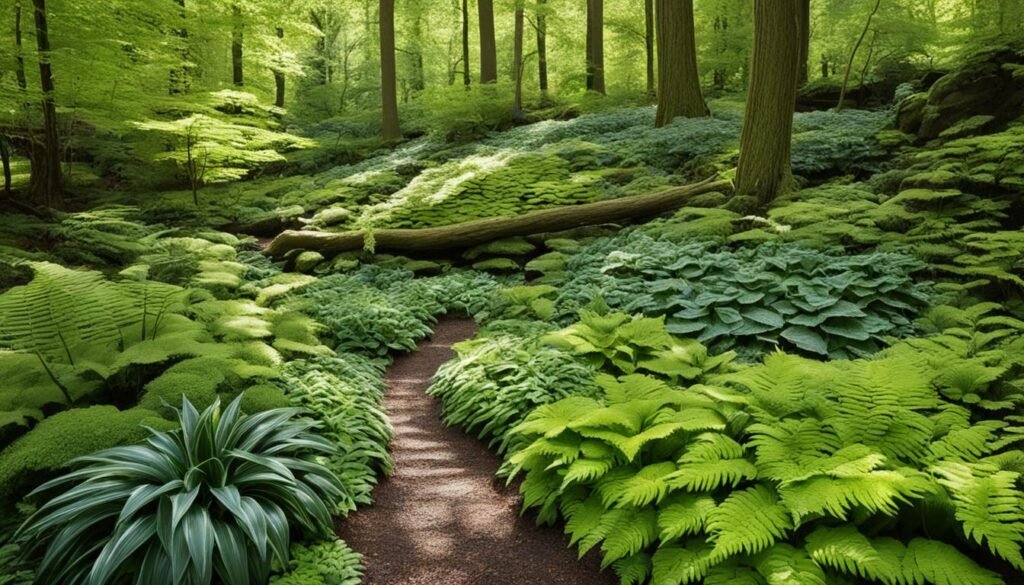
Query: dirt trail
x,y
442,519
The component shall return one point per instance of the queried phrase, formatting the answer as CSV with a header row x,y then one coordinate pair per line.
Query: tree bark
x,y
237,42
466,79
679,92
5,162
595,46
472,233
649,46
853,55
542,47
178,78
279,81
517,63
19,55
389,88
805,39
765,165
46,184
488,45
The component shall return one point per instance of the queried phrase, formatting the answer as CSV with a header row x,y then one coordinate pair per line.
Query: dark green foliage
x,y
215,498
823,303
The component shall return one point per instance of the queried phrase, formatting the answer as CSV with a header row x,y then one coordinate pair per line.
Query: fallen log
x,y
476,232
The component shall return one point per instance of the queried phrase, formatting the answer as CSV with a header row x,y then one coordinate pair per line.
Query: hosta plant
x,y
215,501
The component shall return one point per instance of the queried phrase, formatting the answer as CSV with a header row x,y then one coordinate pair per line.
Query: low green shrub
x,y
220,498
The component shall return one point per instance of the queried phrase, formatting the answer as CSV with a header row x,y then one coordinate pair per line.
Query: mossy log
x,y
473,233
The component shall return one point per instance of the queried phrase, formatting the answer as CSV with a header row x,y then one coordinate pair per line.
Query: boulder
x,y
984,86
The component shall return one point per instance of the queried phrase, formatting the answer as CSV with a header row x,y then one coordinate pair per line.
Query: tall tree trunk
x,y
805,38
419,82
649,46
466,79
595,46
542,47
19,55
322,60
488,46
517,63
178,78
853,55
765,165
679,91
389,88
47,181
279,81
237,40
5,162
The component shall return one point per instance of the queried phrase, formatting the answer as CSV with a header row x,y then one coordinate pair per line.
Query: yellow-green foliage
x,y
327,563
67,435
506,183
899,469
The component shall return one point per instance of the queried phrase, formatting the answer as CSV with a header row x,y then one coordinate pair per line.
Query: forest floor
x,y
443,517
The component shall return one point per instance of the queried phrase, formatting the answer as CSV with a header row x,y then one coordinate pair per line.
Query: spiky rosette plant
x,y
213,501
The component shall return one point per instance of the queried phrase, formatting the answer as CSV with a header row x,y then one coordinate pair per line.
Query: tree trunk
x,y
47,181
279,81
488,46
805,39
19,55
178,79
466,80
5,162
237,40
542,47
472,233
517,64
853,55
389,96
679,91
595,46
765,166
649,46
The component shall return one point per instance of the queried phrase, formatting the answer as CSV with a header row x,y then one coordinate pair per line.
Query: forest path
x,y
442,518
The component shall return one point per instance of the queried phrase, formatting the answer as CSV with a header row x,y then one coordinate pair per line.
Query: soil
x,y
442,518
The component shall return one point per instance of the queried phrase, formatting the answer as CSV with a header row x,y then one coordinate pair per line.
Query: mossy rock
x,y
506,247
46,449
931,179
331,216
548,263
969,127
307,261
263,397
564,245
497,265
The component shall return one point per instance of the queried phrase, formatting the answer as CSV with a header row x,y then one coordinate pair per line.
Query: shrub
x,y
211,500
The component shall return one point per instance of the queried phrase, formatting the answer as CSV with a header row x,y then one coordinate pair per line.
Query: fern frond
x,y
748,522
683,514
989,505
678,565
783,564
